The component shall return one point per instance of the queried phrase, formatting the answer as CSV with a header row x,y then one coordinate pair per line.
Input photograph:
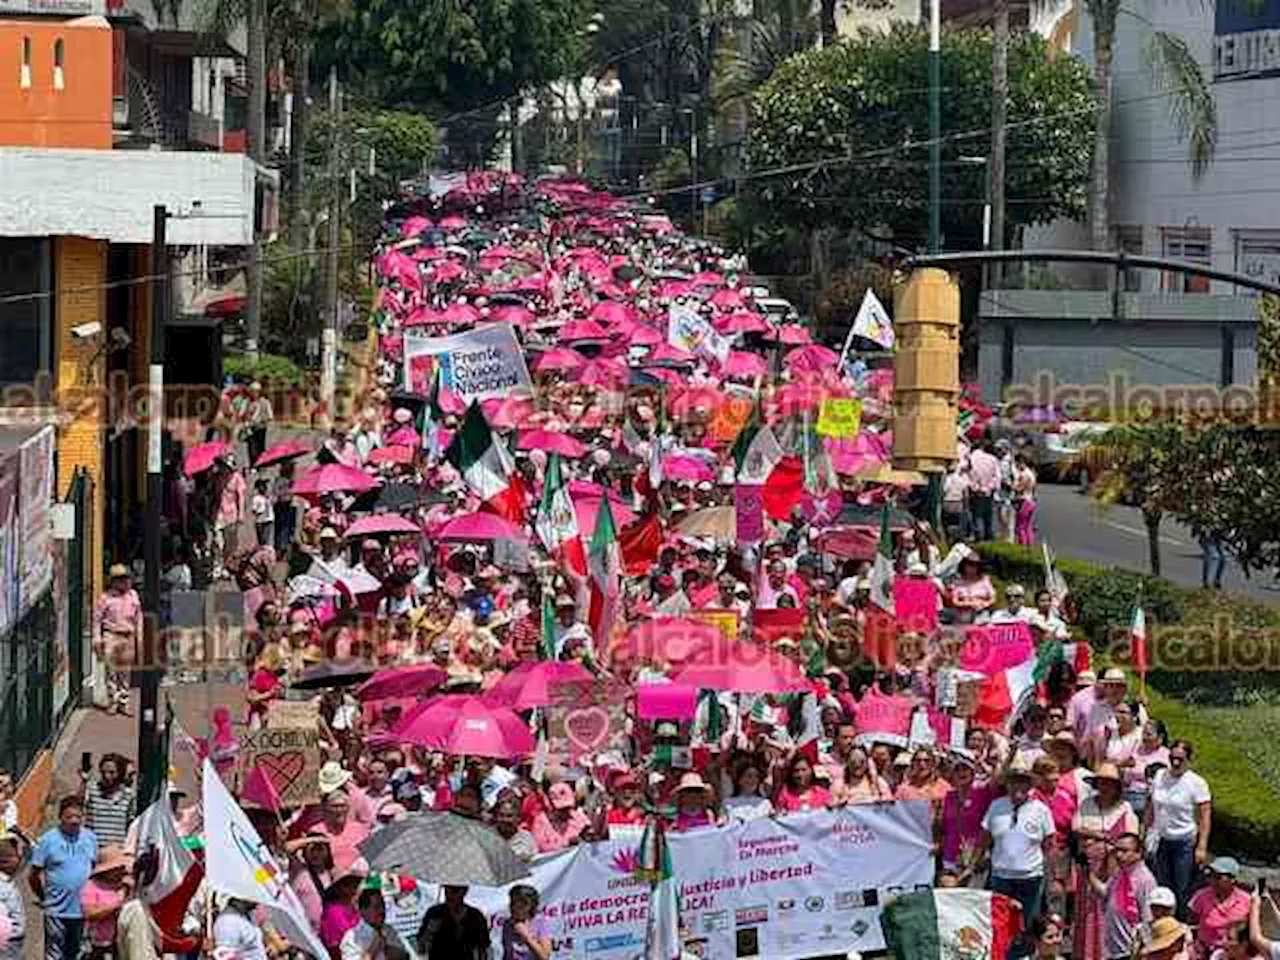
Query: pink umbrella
x,y
727,298
481,527
424,316
283,451
516,316
602,373
381,523
646,336
447,270
414,226
668,353
748,668
452,222
403,682
587,509
333,477
428,253
742,321
587,490
200,458
530,685
505,413
814,358
672,289
707,278
533,283
692,469
460,313
745,365
611,311
451,402
583,330
553,442
793,335
466,726
392,454
559,359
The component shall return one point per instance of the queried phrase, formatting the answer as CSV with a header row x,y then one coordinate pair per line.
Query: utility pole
x,y
256,28
152,773
999,126
935,126
329,334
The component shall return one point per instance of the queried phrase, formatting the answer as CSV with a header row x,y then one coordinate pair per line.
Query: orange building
x,y
52,89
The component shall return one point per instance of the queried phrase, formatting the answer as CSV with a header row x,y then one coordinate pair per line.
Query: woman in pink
x,y
962,813
1151,751
101,899
799,792
563,824
310,873
339,913
922,781
861,783
972,592
693,800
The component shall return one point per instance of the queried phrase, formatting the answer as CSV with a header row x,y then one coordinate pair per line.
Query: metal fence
x,y
42,659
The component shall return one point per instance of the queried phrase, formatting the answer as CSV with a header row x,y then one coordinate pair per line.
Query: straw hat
x,y
693,781
1019,768
1114,675
1165,933
332,777
117,570
1105,771
113,858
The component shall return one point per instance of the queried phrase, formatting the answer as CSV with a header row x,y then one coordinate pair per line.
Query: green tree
x,y
846,118
1141,465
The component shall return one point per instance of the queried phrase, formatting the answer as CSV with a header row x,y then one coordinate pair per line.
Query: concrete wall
x,y
43,106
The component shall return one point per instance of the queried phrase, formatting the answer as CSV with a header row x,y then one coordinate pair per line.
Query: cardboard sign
x,y
290,759
293,714
726,621
915,604
748,501
885,719
993,647
840,417
586,718
730,418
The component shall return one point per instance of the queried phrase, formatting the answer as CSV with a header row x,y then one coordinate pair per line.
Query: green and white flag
x,y
946,924
882,569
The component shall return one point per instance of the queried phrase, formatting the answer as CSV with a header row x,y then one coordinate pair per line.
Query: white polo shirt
x,y
1174,800
1017,838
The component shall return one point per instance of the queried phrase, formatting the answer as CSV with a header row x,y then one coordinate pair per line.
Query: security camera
x,y
83,331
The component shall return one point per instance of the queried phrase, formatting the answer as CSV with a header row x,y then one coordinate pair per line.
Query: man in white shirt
x,y
1016,829
236,934
372,938
1014,610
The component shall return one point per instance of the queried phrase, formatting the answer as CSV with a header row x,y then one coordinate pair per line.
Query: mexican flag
x,y
557,523
756,452
946,923
662,928
431,419
1138,637
1003,695
177,873
604,566
486,465
882,569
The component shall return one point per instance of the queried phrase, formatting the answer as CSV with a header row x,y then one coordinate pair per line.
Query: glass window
x,y
1189,244
59,55
25,72
1258,256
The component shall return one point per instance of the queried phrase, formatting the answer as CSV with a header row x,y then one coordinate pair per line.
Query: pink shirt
x,y
231,500
118,613
815,798
1215,917
95,896
549,838
343,845
962,820
984,473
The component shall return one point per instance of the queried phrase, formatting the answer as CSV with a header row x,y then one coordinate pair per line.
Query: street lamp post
x,y
935,126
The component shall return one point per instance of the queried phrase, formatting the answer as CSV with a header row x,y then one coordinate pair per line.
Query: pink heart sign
x,y
587,729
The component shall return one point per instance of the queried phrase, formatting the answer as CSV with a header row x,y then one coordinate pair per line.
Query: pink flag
x,y
258,788
996,646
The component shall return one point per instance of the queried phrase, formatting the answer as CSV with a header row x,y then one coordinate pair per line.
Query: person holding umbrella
x,y
454,930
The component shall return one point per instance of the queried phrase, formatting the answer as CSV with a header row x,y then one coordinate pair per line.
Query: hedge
x,y
270,368
1215,665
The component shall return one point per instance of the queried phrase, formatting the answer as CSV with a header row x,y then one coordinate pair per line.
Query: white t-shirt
x,y
744,809
1174,800
262,508
236,933
1017,837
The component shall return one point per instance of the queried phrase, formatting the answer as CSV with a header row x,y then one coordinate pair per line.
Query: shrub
x,y
269,369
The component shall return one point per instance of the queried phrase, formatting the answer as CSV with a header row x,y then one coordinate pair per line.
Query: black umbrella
x,y
335,673
444,848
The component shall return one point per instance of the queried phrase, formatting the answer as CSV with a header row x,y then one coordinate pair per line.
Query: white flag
x,y
871,323
238,864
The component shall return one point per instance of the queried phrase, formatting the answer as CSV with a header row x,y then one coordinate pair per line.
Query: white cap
x,y
1162,897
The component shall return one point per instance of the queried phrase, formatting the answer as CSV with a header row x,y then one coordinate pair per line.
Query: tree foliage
x,y
862,106
455,53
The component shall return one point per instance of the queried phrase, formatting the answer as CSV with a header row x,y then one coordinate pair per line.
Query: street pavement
x,y
1076,526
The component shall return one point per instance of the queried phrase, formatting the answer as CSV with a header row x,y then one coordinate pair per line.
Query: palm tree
x,y
1192,106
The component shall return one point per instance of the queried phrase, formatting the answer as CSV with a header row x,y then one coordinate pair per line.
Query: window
x,y
1129,241
1189,244
1258,256
25,76
59,56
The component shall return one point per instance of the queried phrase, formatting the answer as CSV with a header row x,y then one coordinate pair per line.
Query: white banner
x,y
476,365
689,330
35,497
801,886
